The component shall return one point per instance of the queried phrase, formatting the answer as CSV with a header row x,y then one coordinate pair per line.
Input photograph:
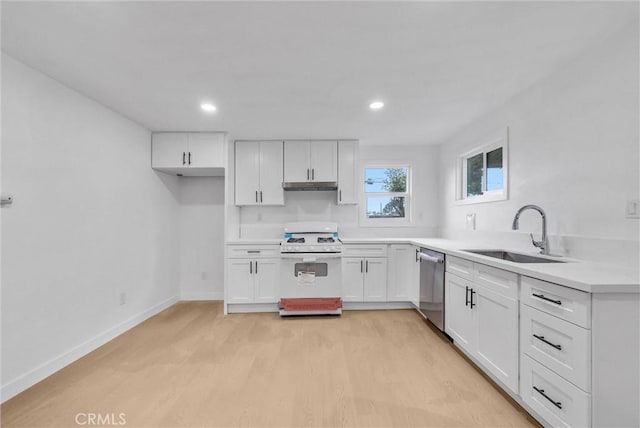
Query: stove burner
x,y
295,240
326,240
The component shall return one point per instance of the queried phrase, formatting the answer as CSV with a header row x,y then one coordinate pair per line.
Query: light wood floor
x,y
192,366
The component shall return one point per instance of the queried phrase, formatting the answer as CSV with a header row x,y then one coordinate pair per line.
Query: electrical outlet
x,y
123,298
471,221
633,208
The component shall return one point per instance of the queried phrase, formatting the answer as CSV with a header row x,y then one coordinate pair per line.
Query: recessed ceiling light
x,y
376,105
208,107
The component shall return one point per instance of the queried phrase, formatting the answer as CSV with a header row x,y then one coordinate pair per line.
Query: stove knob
x,y
327,249
312,248
297,248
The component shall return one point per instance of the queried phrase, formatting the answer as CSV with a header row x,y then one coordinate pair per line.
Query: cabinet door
x,y
459,317
169,150
347,172
401,261
271,165
497,335
352,279
324,161
375,280
414,288
247,172
296,161
267,276
240,281
206,150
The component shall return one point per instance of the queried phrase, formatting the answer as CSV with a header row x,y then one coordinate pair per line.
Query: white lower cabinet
x,y
497,335
558,401
484,323
252,280
364,279
561,346
460,319
403,284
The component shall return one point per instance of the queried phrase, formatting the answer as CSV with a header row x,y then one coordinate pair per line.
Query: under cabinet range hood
x,y
310,185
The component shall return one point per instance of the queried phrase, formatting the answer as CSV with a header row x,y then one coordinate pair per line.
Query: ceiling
x,y
305,69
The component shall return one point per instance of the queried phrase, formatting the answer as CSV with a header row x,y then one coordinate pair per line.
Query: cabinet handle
x,y
253,251
184,158
313,173
417,255
256,196
261,196
366,264
340,195
558,347
466,296
307,173
543,297
472,293
558,404
250,267
256,262
189,158
361,266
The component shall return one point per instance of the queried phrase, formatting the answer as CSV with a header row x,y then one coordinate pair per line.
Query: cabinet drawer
x,y
573,405
356,250
564,302
254,251
498,280
561,346
461,267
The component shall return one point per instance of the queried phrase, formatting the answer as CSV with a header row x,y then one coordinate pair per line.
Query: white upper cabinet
x,y
189,154
347,172
258,173
310,161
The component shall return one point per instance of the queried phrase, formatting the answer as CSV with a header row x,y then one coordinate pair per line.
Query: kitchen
x,y
94,241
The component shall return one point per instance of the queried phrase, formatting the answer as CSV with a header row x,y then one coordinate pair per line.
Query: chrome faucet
x,y
544,243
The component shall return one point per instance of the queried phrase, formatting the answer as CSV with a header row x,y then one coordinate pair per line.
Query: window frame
x,y
365,220
490,144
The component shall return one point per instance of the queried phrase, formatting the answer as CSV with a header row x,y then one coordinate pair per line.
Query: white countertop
x,y
255,241
582,275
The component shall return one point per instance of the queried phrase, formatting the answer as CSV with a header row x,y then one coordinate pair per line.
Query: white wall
x,y
201,211
90,220
267,222
573,150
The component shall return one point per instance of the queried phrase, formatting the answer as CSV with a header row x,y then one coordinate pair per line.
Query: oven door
x,y
311,275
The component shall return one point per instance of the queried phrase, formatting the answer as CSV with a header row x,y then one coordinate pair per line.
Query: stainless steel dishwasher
x,y
432,286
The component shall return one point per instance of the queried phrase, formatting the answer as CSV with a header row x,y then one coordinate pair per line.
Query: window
x,y
482,174
386,195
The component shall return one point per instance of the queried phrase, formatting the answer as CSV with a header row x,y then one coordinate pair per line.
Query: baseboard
x,y
367,306
202,295
45,370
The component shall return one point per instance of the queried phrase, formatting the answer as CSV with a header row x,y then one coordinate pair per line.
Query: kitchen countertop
x,y
582,275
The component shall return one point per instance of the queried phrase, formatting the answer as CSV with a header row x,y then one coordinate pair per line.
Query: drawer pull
x,y
471,302
558,404
543,297
253,251
466,296
558,347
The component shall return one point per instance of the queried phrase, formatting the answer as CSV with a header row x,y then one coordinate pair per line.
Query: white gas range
x,y
311,255
311,238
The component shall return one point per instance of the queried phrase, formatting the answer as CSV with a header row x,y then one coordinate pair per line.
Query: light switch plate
x,y
633,208
471,221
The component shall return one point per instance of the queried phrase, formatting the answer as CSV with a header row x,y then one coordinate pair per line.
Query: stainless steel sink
x,y
513,257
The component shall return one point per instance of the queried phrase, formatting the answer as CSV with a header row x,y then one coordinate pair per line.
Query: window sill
x,y
482,199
